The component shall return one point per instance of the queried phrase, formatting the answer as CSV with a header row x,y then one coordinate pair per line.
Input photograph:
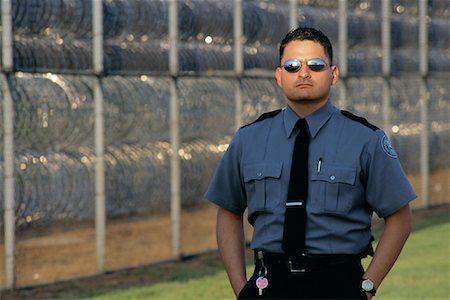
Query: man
x,y
345,170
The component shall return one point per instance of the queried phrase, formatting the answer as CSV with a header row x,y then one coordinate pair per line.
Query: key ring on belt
x,y
263,270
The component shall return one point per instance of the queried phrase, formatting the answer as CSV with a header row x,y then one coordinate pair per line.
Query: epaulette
x,y
264,116
359,119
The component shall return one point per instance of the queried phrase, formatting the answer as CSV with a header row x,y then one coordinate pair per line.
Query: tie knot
x,y
301,124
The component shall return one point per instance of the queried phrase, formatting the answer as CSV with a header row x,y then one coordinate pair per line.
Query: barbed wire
x,y
54,102
55,36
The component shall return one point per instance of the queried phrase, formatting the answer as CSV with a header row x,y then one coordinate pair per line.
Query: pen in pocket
x,y
319,165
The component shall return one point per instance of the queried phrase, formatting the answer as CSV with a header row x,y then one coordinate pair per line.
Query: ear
x,y
278,76
334,74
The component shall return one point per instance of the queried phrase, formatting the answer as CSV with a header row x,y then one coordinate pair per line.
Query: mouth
x,y
303,85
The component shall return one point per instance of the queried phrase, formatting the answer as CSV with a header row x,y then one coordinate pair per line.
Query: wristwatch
x,y
367,286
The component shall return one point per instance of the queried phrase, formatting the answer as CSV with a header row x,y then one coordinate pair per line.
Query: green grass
x,y
422,272
211,287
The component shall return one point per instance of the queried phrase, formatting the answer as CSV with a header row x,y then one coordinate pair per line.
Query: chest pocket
x,y
262,183
332,189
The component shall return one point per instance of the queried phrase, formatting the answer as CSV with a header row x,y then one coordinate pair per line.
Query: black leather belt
x,y
302,263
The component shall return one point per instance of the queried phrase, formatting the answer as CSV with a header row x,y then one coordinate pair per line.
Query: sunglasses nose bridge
x,y
303,70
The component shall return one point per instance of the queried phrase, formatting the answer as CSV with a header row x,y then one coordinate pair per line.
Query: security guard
x,y
352,171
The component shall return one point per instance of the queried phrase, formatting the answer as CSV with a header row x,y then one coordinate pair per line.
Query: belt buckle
x,y
297,267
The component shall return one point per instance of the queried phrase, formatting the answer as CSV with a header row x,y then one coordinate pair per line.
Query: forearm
x,y
231,243
396,231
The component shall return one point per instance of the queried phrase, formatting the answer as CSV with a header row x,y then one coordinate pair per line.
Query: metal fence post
x,y
293,7
8,144
238,60
7,55
100,213
8,193
175,172
386,63
424,97
97,28
343,51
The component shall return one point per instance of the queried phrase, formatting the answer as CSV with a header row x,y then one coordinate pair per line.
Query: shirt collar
x,y
315,120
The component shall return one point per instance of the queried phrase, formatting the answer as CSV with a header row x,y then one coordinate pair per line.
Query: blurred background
x,y
115,114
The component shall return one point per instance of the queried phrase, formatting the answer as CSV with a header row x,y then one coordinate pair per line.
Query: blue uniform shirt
x,y
353,171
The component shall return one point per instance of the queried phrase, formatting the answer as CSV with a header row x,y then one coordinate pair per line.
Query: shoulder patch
x,y
359,120
387,147
264,116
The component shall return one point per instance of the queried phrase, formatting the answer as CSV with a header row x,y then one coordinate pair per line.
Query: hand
x,y
237,290
369,296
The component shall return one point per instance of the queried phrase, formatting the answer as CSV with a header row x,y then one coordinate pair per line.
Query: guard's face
x,y
306,84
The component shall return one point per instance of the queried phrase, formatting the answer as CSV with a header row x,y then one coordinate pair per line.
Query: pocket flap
x,y
260,171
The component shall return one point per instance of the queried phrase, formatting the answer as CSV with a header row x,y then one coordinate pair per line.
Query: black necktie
x,y
295,217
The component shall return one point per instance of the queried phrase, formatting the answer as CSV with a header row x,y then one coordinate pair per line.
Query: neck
x,y
305,108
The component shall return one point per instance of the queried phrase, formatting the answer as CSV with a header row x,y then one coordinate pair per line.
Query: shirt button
x,y
332,177
259,174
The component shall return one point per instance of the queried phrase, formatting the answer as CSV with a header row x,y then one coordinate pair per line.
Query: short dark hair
x,y
311,34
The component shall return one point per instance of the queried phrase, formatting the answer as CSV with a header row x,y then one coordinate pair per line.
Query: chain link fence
x,y
153,152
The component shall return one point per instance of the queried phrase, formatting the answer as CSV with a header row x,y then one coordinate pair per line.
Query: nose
x,y
304,71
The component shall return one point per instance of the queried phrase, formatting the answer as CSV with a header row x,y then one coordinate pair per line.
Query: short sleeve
x,y
388,188
226,188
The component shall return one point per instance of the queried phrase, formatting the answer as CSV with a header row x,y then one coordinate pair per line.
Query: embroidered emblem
x,y
387,147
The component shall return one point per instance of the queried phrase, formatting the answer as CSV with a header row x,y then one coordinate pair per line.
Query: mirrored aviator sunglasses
x,y
315,64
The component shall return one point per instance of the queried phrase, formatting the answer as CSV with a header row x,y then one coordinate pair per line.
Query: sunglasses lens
x,y
292,65
316,65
